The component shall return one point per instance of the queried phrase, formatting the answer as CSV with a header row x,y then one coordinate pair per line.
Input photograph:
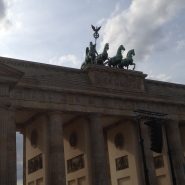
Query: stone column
x,y
176,151
56,161
7,148
148,154
99,173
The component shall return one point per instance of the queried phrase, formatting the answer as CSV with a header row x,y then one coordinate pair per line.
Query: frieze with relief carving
x,y
116,79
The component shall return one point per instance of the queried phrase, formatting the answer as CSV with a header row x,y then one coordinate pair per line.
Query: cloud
x,y
101,21
2,9
160,77
141,26
68,60
4,21
180,45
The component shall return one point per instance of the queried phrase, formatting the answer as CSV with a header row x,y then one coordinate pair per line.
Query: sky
x,y
58,31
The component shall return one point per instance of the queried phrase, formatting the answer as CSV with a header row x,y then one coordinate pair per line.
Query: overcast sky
x,y
58,31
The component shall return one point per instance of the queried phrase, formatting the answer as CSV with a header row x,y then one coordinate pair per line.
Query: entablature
x,y
96,88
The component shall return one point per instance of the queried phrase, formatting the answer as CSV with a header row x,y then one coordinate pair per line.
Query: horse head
x,y
107,46
87,51
121,47
133,52
119,51
130,53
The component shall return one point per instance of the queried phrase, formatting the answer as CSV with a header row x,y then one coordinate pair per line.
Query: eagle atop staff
x,y
95,29
96,34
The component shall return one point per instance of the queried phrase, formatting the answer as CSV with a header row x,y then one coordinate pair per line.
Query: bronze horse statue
x,y
101,58
87,58
114,61
128,60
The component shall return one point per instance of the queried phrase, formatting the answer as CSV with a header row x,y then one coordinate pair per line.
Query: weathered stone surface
x,y
96,89
148,154
7,148
117,79
176,151
106,90
56,162
98,156
92,79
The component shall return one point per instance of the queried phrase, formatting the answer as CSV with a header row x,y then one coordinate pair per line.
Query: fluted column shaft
x,y
98,155
7,148
176,151
56,161
148,154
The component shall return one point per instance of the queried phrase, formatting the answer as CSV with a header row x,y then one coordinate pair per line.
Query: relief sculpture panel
x,y
117,80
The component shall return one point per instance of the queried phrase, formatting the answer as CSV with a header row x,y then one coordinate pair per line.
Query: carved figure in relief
x,y
128,60
114,61
101,58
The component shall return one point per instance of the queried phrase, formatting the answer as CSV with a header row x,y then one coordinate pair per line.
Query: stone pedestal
x,y
176,151
98,155
148,154
56,162
7,148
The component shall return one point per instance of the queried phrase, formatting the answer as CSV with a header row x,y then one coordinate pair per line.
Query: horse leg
x,y
83,65
109,63
134,66
119,65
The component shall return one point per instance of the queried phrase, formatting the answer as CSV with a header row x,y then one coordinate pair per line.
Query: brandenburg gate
x,y
90,126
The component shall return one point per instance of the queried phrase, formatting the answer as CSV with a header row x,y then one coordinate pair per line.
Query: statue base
x,y
114,78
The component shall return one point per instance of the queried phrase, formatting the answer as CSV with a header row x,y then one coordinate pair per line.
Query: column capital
x,y
54,112
55,116
93,116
